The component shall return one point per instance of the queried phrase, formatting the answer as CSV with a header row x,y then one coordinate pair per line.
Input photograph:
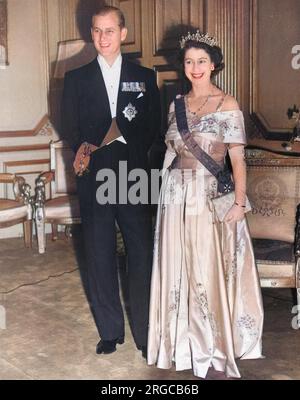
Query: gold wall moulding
x,y
3,34
43,128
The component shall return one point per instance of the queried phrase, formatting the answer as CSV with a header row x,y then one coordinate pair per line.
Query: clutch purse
x,y
223,203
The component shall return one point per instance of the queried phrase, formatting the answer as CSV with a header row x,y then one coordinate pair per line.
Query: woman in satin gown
x,y
206,306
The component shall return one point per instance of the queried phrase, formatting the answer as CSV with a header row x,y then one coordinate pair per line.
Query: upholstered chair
x,y
60,206
274,193
16,210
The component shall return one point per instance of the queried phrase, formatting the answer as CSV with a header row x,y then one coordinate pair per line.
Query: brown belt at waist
x,y
192,163
185,163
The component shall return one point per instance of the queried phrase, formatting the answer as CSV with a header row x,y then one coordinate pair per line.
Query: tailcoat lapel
x,y
123,96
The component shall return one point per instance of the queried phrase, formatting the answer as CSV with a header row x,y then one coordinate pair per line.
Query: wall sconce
x,y
294,114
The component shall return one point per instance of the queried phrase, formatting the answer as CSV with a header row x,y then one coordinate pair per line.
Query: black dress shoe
x,y
108,346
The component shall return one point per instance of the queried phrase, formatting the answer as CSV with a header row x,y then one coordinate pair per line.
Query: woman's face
x,y
198,65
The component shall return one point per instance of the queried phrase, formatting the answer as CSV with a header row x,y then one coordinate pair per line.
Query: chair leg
x,y
68,232
41,236
27,226
54,232
298,307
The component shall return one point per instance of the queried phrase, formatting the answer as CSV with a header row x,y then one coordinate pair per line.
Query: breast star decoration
x,y
130,112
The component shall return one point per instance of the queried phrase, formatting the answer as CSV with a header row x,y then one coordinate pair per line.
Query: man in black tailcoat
x,y
111,114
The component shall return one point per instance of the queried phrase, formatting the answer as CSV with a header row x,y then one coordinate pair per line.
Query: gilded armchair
x,y
273,187
18,210
61,207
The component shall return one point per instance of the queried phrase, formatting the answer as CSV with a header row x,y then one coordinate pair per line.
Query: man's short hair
x,y
104,10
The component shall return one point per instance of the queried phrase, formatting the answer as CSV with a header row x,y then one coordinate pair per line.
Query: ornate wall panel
x,y
229,21
170,19
173,18
275,77
170,85
83,15
132,11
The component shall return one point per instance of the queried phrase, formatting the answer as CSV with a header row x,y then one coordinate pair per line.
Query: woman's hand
x,y
236,213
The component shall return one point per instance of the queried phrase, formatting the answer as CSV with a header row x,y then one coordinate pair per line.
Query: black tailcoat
x,y
86,117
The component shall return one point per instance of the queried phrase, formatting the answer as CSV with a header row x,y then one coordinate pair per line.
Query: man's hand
x,y
82,158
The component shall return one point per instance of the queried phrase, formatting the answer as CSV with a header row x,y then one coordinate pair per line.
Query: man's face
x,y
107,35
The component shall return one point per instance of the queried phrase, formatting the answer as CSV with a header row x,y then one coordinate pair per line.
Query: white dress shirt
x,y
111,76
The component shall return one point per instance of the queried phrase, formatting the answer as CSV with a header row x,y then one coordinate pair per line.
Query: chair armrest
x,y
40,187
46,177
22,190
6,178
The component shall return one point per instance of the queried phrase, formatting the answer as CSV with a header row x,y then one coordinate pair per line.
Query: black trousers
x,y
99,231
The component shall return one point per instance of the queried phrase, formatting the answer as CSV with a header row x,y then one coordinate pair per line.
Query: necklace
x,y
202,105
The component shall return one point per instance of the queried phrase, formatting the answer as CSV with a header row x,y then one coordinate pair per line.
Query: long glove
x,y
237,158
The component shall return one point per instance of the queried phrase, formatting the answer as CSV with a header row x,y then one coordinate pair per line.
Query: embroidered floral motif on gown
x,y
206,306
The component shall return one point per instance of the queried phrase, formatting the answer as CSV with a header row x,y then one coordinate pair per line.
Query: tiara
x,y
198,37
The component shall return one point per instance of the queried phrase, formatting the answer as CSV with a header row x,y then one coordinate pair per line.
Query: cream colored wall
x,y
23,99
24,93
35,27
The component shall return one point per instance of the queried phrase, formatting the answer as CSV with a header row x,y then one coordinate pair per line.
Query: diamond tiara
x,y
198,37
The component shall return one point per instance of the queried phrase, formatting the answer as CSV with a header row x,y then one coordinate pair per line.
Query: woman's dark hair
x,y
214,52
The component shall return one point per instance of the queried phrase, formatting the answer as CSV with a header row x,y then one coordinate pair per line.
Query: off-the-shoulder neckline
x,y
211,113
